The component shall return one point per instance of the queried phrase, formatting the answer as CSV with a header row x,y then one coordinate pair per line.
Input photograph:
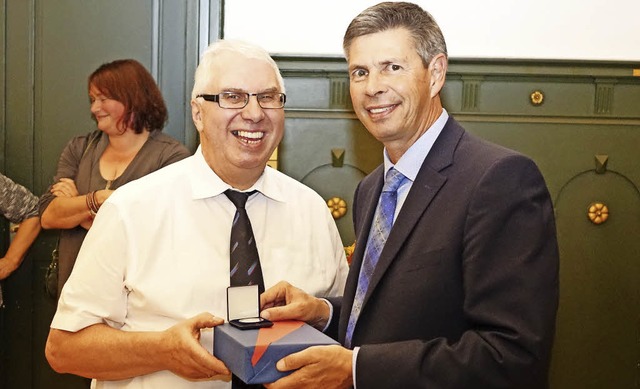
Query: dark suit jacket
x,y
465,292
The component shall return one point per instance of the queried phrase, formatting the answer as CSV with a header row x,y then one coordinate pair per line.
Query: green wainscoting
x,y
580,121
48,49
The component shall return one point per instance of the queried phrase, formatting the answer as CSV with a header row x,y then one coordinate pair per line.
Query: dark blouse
x,y
80,161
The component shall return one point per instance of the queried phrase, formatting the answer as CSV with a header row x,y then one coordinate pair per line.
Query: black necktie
x,y
244,260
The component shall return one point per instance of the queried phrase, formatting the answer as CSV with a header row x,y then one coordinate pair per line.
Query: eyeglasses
x,y
238,100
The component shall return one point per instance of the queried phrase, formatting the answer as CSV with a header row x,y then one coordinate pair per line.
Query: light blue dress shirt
x,y
409,165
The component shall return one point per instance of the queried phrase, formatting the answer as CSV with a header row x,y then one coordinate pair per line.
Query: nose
x,y
253,111
95,106
375,84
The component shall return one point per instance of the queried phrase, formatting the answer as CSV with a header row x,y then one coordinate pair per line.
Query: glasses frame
x,y
216,98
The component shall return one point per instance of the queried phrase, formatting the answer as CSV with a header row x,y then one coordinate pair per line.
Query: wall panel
x,y
19,165
51,48
589,113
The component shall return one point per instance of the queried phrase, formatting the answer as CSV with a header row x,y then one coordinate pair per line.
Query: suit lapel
x,y
429,181
371,189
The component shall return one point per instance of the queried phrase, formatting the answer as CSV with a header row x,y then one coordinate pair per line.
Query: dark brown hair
x,y
128,82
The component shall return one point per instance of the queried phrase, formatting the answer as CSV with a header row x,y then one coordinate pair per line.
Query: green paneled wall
x,y
587,110
49,48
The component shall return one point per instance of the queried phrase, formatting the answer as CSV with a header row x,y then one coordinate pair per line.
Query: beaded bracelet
x,y
92,204
91,213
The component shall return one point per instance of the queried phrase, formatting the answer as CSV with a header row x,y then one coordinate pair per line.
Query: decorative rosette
x,y
337,206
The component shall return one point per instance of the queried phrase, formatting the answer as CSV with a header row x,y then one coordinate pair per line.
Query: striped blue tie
x,y
382,222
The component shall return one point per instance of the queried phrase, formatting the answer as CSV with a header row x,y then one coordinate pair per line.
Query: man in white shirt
x,y
151,277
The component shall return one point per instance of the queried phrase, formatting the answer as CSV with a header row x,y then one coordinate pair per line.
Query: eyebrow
x,y
381,63
240,90
355,66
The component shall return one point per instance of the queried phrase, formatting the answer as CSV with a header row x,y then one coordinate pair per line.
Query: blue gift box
x,y
252,354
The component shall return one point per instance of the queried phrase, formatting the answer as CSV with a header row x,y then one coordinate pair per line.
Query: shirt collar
x,y
206,183
411,161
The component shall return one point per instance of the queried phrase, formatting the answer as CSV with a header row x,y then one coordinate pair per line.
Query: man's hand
x,y
185,355
317,367
284,301
106,353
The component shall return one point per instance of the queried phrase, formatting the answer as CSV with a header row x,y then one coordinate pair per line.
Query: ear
x,y
438,70
196,115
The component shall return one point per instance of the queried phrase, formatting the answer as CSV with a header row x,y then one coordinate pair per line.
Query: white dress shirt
x,y
158,253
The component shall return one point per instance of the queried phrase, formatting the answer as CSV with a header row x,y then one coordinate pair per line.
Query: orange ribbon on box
x,y
268,335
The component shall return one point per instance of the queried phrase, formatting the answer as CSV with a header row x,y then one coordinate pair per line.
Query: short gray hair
x,y
203,74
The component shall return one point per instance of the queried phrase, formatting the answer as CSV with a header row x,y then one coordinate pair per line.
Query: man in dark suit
x,y
462,292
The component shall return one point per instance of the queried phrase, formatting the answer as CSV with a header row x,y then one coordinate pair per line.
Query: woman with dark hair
x,y
130,113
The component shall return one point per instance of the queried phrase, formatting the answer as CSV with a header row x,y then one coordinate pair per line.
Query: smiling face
x,y
237,143
393,94
106,111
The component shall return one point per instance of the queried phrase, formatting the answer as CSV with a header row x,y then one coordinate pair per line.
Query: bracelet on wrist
x,y
91,204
